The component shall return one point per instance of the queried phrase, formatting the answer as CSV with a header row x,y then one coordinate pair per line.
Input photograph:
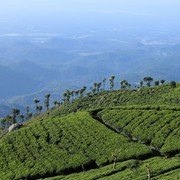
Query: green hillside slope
x,y
61,145
155,126
125,134
161,169
155,95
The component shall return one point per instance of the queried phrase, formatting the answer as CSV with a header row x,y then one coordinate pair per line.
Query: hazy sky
x,y
146,7
65,11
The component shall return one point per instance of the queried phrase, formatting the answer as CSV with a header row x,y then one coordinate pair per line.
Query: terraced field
x,y
155,126
155,95
95,138
160,169
64,145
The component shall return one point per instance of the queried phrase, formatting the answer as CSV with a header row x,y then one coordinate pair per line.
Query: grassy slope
x,y
158,95
55,144
61,145
161,169
154,125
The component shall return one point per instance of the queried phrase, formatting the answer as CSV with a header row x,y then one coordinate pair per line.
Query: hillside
x,y
63,62
124,134
155,95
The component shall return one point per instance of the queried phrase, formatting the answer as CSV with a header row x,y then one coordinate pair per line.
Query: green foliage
x,y
154,125
156,83
157,95
62,144
111,81
141,83
21,117
160,168
148,80
173,84
15,113
124,84
46,101
59,143
162,81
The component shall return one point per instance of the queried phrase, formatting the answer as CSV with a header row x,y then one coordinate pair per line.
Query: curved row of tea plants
x,y
160,169
62,145
53,144
157,126
156,95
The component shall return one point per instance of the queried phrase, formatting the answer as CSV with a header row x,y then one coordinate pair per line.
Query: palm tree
x,y
129,85
84,90
36,101
38,109
46,102
3,122
9,120
98,86
95,86
27,112
77,94
72,94
141,83
162,81
104,83
156,83
173,84
21,117
15,113
30,115
81,91
93,90
59,103
111,81
67,96
55,103
148,80
124,84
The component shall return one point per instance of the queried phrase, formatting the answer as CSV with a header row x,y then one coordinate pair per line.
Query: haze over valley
x,y
52,50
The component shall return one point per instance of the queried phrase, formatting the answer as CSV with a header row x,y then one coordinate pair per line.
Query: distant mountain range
x,y
30,68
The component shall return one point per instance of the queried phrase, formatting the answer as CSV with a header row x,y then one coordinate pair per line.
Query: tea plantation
x,y
155,126
124,134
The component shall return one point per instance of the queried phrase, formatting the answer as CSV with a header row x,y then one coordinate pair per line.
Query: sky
x,y
69,11
146,7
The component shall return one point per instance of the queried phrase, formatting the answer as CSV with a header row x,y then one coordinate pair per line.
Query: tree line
x,y
70,96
